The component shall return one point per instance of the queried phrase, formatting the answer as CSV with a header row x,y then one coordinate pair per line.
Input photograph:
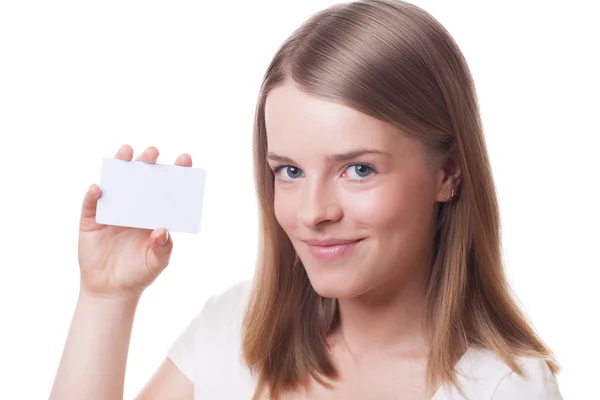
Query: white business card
x,y
150,196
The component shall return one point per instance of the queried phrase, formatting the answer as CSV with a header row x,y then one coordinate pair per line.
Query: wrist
x,y
109,299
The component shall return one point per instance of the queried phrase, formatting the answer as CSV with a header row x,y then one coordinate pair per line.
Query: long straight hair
x,y
395,62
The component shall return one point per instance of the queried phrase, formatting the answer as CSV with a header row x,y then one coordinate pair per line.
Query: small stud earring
x,y
451,195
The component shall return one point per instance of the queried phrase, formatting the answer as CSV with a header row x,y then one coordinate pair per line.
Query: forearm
x,y
94,358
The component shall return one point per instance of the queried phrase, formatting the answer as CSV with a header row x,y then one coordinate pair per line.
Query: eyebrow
x,y
333,157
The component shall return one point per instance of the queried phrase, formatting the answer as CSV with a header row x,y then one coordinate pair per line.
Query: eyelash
x,y
371,167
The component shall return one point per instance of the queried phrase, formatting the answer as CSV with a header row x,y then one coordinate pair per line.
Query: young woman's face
x,y
356,197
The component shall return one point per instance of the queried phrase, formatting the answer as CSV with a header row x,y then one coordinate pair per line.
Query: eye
x,y
288,172
359,172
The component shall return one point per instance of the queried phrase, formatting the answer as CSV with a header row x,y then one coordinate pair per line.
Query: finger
x,y
125,153
184,160
90,201
159,252
150,155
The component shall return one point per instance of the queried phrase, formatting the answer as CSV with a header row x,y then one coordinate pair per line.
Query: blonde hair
x,y
395,62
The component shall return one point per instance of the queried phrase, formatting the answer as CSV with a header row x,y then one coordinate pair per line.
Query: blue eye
x,y
288,173
360,170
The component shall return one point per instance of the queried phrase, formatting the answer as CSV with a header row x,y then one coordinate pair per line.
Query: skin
x,y
388,200
379,350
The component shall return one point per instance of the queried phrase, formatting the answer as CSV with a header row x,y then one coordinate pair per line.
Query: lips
x,y
331,249
329,242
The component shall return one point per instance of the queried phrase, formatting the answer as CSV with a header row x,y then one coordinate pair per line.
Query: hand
x,y
120,261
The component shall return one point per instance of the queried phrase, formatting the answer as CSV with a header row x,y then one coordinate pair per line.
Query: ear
x,y
449,176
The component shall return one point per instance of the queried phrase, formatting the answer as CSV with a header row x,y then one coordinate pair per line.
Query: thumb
x,y
159,251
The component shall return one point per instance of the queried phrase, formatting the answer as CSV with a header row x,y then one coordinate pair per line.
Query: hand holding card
x,y
124,243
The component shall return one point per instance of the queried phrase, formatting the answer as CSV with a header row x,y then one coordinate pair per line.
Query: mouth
x,y
332,249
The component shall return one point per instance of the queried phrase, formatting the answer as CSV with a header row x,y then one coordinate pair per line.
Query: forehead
x,y
296,120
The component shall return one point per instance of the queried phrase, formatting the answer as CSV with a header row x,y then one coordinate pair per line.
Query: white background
x,y
78,79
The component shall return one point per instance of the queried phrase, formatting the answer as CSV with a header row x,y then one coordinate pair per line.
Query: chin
x,y
334,284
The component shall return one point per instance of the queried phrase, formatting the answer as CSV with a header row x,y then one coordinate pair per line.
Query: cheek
x,y
389,206
285,210
378,208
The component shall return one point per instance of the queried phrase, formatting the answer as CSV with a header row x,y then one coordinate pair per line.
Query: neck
x,y
388,319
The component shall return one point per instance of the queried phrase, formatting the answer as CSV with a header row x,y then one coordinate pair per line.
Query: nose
x,y
320,204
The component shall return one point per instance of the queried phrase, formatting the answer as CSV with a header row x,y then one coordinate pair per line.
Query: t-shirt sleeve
x,y
182,351
537,383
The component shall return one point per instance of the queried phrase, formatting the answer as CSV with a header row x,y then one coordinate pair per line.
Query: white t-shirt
x,y
208,353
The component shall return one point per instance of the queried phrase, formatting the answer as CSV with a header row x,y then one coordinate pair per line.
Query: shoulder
x,y
221,311
536,382
210,346
484,375
227,307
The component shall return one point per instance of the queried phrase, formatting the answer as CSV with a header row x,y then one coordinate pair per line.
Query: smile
x,y
331,250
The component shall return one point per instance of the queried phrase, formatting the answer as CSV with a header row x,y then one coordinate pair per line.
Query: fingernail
x,y
164,238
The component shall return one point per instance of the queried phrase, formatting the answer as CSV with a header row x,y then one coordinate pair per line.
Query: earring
x,y
451,195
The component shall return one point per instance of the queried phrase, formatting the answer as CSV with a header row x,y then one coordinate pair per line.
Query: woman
x,y
380,273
